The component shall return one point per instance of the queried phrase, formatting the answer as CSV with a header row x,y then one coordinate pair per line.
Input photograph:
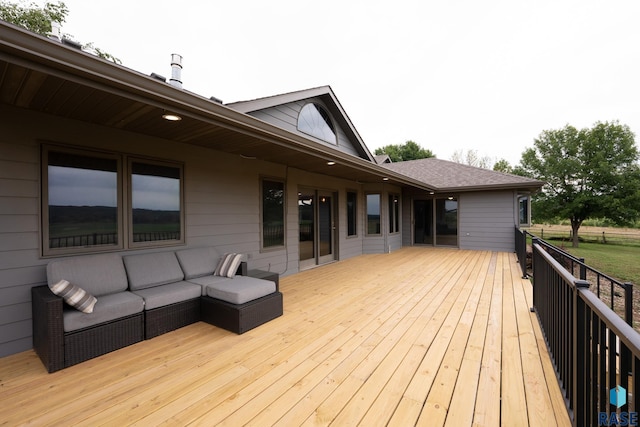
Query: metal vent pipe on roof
x,y
176,71
56,31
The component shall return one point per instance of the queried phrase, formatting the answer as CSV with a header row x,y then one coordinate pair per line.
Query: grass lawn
x,y
617,261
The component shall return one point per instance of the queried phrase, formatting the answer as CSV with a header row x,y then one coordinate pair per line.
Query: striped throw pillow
x,y
228,265
75,296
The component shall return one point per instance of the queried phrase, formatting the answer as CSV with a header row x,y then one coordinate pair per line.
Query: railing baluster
x,y
595,352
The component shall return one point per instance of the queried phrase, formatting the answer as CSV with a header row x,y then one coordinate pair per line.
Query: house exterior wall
x,y
286,117
221,205
487,220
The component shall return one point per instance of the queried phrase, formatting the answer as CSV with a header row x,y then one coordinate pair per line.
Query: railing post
x,y
583,269
628,303
534,242
579,351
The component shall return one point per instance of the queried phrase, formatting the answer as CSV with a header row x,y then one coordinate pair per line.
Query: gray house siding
x,y
487,220
221,205
286,117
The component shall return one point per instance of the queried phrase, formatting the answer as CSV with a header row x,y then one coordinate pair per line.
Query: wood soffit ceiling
x,y
45,76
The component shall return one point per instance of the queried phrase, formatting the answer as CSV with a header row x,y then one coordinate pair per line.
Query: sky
x,y
452,75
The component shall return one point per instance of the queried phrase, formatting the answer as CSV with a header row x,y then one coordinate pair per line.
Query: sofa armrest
x,y
48,327
242,268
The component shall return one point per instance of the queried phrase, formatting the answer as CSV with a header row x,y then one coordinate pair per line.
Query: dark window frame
x,y
263,232
526,200
352,213
394,213
124,239
378,223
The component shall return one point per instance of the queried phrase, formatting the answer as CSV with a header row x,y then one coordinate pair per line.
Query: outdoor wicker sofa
x,y
142,296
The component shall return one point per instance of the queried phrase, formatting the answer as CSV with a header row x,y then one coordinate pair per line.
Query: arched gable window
x,y
314,120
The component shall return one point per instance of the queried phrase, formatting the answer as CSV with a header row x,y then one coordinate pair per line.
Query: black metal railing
x,y
595,353
616,294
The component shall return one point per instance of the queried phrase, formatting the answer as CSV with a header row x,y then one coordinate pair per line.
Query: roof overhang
x,y
46,76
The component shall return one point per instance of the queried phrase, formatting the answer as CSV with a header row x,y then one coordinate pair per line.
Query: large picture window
x,y
352,213
84,201
272,214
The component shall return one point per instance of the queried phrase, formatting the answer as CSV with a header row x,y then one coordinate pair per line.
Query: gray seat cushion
x,y
240,289
198,262
108,307
155,269
159,296
101,274
209,280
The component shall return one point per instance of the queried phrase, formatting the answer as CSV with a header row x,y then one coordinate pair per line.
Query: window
x,y
155,202
373,213
352,213
315,121
394,213
272,214
524,211
84,201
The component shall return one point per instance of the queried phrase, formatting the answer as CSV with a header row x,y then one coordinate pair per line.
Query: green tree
x,y
502,165
407,151
32,17
589,173
38,19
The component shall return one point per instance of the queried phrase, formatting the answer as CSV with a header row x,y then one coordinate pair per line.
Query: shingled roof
x,y
444,175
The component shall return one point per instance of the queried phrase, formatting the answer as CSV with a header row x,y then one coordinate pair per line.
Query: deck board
x,y
421,336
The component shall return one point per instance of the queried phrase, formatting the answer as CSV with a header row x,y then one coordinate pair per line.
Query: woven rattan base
x,y
171,317
240,318
92,342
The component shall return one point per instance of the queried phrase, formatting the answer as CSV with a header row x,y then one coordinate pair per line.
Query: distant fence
x,y
612,237
96,239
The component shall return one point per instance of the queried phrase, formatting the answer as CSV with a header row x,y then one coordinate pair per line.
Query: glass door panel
x,y
447,222
423,222
316,221
325,228
306,221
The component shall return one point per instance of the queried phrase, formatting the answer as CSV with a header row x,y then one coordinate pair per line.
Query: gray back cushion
x,y
97,274
148,270
198,262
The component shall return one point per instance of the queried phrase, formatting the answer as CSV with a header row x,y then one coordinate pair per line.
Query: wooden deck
x,y
420,336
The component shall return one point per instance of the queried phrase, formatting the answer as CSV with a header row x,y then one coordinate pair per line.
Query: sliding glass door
x,y
316,217
435,221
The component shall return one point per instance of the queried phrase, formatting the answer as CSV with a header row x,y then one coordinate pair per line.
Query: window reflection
x,y
82,201
272,213
373,213
155,200
315,121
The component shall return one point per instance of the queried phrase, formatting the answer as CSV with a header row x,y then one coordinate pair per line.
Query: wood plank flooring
x,y
421,336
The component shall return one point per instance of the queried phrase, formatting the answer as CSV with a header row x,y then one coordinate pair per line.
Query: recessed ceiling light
x,y
385,179
331,162
171,117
